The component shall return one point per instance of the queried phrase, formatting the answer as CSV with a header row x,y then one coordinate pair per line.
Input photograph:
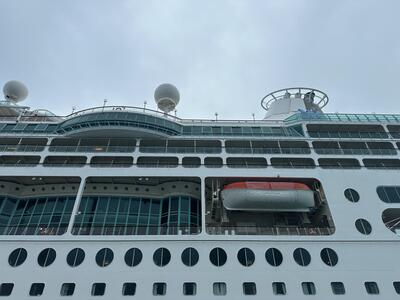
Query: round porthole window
x,y
351,195
133,257
46,257
104,257
302,257
274,257
363,226
17,257
329,257
75,257
190,257
246,257
218,257
161,257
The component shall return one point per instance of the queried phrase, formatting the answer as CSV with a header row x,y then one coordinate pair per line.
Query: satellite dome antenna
x,y
15,91
167,97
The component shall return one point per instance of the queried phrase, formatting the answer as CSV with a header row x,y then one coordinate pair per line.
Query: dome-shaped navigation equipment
x,y
284,102
15,91
167,97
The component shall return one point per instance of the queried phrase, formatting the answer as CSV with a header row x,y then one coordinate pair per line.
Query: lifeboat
x,y
268,196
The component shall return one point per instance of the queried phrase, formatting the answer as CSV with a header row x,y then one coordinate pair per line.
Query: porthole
x,y
104,257
351,195
133,257
363,226
274,257
218,257
329,257
190,257
46,257
17,257
246,257
75,257
161,257
302,257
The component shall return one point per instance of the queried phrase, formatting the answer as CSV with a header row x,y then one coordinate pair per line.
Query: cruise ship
x,y
119,202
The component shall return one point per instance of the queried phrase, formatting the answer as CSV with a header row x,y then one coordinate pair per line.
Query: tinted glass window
x,y
396,285
279,288
338,288
67,289
329,257
351,195
46,257
133,257
98,289
246,257
75,257
190,257
159,288
389,194
302,257
249,288
218,257
129,289
161,257
189,288
6,289
219,288
36,289
273,257
104,257
371,287
17,257
363,226
308,288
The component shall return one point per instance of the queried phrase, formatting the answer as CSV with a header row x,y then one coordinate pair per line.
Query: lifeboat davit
x,y
268,196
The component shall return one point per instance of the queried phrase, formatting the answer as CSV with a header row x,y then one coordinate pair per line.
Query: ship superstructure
x,y
118,202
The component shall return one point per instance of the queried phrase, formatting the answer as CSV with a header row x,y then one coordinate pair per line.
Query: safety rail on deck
x,y
277,230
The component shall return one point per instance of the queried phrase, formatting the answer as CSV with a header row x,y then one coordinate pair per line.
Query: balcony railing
x,y
277,230
199,150
236,150
340,151
349,134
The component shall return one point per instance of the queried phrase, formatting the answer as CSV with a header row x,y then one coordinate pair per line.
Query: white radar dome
x,y
167,97
15,91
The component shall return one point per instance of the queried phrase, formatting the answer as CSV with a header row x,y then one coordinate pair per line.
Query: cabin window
x,y
17,257
133,257
351,195
129,289
46,257
329,257
189,288
249,288
36,289
308,288
371,287
75,257
279,288
246,257
67,289
396,285
161,257
104,257
218,257
302,257
338,288
6,289
363,226
98,289
159,288
190,257
273,257
219,288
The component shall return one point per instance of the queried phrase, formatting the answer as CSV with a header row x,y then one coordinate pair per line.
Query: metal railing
x,y
200,150
349,134
236,150
277,230
341,151
135,230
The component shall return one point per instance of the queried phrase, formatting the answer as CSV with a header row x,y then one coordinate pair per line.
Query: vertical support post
x,y
76,205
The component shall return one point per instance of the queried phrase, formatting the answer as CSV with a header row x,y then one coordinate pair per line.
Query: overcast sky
x,y
223,56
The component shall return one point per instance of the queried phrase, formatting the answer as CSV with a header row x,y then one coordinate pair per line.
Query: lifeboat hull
x,y
264,199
